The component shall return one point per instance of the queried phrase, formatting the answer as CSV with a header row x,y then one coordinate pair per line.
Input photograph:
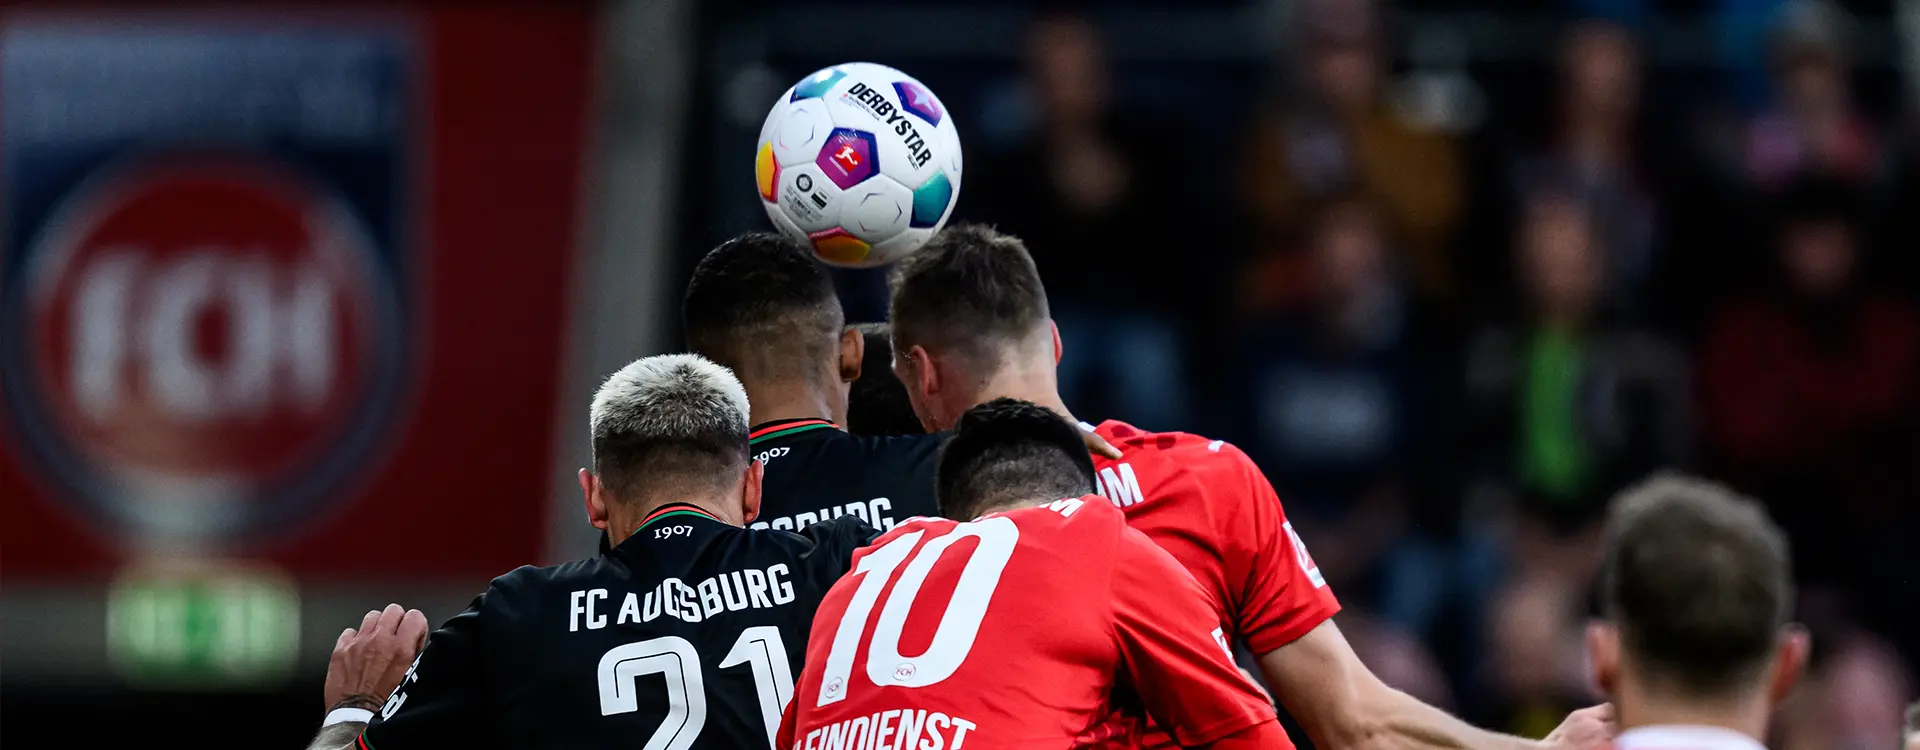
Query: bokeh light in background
x,y
299,305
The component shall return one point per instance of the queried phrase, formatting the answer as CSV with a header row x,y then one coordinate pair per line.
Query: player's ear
x,y
595,498
1057,350
853,349
1789,661
750,492
1603,649
921,375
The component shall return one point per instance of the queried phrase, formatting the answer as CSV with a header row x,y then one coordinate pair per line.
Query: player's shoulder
x,y
1161,461
836,536
910,449
1084,516
921,524
1182,447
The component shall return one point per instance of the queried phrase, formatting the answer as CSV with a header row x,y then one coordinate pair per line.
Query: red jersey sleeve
x,y
1284,595
784,738
1174,650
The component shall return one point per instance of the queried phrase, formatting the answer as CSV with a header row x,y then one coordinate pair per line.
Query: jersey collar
x,y
673,510
1679,737
785,427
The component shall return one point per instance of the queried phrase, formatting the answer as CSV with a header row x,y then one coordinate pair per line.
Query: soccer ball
x,y
859,161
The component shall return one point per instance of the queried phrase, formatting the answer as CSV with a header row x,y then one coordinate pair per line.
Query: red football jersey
x,y
1206,503
1028,628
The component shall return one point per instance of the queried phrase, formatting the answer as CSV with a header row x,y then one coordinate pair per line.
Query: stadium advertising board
x,y
269,291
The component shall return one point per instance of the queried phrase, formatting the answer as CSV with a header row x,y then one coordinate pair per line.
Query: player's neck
x,y
1007,506
624,522
1037,387
773,401
1642,708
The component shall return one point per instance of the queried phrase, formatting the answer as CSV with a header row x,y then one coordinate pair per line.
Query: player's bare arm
x,y
367,664
1343,704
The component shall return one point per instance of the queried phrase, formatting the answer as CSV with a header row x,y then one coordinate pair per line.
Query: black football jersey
x,y
688,634
817,471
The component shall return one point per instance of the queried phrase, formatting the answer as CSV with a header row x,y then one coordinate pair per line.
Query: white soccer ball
x,y
859,161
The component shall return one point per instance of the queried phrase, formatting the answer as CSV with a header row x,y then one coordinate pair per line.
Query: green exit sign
x,y
200,626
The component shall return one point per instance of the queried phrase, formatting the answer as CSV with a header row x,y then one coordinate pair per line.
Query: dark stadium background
x,y
1560,245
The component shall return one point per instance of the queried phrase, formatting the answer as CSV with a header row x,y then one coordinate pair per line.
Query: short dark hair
x,y
877,404
668,423
761,305
1007,451
968,290
1698,581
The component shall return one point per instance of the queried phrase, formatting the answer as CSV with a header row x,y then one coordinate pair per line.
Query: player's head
x,y
969,309
1910,737
877,404
1010,453
761,305
1698,593
669,428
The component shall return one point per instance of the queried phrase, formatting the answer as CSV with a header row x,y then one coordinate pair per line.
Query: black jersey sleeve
x,y
833,544
442,700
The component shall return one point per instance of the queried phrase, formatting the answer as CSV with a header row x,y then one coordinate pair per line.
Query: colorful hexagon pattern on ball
x,y
816,85
930,201
766,171
849,158
840,247
883,157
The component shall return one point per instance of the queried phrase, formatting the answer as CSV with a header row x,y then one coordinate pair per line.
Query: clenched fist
x,y
369,663
1586,729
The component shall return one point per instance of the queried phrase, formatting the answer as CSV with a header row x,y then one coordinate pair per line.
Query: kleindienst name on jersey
x,y
899,728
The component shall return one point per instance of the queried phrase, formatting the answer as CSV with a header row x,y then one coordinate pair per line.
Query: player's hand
x,y
1585,729
1098,445
369,663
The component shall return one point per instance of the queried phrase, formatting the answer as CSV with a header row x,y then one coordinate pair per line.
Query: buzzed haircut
x,y
1010,452
969,291
670,423
761,304
877,404
1698,581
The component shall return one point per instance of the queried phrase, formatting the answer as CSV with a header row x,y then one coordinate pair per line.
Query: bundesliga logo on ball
x,y
860,162
205,345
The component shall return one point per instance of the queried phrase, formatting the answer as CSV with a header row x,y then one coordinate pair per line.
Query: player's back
x,y
1006,632
1206,503
817,471
685,635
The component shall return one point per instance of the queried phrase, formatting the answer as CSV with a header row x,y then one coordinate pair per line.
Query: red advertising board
x,y
286,285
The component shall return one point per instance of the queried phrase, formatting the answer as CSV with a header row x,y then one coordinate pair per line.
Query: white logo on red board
x,y
203,332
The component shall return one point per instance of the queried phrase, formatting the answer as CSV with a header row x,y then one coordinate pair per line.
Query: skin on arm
x,y
368,663
1342,704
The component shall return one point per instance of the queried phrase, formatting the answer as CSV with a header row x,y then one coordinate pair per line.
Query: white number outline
x,y
673,657
963,613
760,647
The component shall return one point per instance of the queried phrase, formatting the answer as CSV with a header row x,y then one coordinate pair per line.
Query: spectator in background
x,y
1569,408
1094,194
1812,125
1344,396
1573,406
1808,395
1339,136
877,402
1593,154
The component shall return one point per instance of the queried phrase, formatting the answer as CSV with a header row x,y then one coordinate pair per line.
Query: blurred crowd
x,y
1449,339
